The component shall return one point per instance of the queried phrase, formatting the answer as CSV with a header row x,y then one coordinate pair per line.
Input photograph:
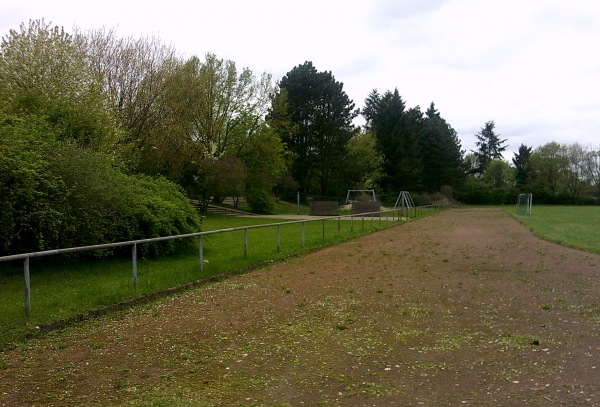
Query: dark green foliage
x,y
260,201
421,152
396,130
106,205
475,192
32,198
522,167
489,147
314,116
441,150
56,194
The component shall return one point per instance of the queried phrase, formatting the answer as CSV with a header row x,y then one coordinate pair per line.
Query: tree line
x,y
106,138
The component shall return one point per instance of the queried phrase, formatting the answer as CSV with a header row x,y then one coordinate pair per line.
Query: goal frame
x,y
524,204
368,191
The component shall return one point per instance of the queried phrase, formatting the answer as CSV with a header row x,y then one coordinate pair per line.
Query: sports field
x,y
467,307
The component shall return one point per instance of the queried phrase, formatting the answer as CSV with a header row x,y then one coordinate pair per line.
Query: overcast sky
x,y
532,66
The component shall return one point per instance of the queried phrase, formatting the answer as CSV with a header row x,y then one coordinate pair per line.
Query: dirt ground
x,y
464,308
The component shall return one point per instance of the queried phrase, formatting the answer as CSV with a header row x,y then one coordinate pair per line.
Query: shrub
x,y
259,200
32,198
56,194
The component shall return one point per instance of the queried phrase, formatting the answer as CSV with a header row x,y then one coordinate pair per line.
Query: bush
x,y
474,192
109,206
260,201
57,195
32,198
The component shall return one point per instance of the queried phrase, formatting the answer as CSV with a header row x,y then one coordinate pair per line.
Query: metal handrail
x,y
26,256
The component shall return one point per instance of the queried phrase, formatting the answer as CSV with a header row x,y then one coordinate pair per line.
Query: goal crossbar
x,y
363,191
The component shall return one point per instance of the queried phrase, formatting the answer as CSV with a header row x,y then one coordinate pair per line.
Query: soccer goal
x,y
354,195
524,202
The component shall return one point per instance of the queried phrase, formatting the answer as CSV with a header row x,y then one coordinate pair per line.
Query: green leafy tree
x,y
43,72
32,198
549,163
489,147
499,176
577,174
366,169
593,170
59,182
134,75
314,117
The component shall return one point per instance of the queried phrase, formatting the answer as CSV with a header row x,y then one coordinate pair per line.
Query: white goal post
x,y
355,192
524,203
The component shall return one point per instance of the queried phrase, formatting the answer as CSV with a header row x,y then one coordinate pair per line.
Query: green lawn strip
x,y
61,291
572,226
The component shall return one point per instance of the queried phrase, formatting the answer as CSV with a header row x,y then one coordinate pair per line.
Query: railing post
x,y
201,251
351,223
278,236
27,285
339,224
246,243
134,262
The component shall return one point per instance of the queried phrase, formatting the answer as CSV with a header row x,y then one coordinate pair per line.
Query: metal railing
x,y
387,215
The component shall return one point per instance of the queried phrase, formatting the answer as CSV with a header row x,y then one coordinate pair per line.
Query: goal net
x,y
524,202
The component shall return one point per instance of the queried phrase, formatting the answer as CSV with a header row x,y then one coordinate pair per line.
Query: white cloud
x,y
531,66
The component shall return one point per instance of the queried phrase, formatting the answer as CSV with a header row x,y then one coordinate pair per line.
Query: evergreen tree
x,y
522,166
441,150
489,146
396,130
314,117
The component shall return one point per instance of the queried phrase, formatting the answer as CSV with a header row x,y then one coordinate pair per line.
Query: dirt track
x,y
464,308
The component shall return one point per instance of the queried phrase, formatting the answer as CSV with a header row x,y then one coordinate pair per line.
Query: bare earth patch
x,y
464,308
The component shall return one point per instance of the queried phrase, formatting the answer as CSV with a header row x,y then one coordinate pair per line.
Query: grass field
x,y
61,290
572,226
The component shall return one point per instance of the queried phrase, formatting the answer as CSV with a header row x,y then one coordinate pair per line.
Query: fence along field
x,y
53,291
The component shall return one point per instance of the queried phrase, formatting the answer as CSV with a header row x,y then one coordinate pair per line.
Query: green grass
x,y
572,226
61,290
